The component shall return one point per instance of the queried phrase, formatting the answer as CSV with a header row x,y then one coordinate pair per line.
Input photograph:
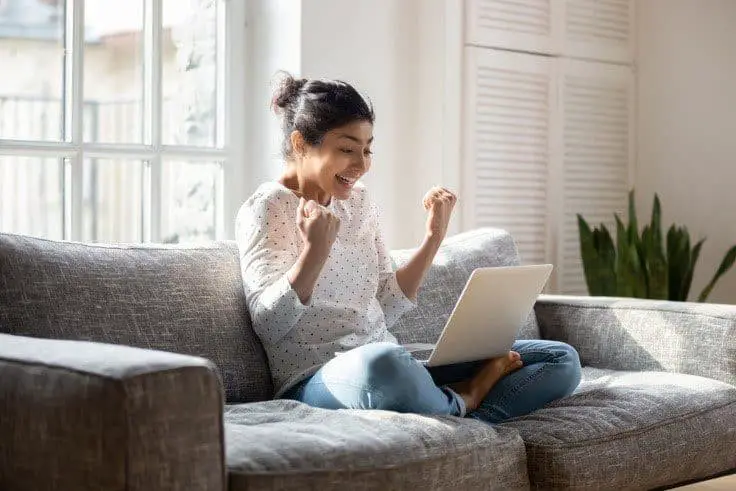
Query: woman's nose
x,y
364,163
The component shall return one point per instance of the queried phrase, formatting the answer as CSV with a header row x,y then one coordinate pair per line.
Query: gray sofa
x,y
135,368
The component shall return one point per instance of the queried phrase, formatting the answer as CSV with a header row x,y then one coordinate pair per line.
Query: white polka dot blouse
x,y
353,303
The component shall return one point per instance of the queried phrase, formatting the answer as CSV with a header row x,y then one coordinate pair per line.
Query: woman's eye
x,y
346,150
369,152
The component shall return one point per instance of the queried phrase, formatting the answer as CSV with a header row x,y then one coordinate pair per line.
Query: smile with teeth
x,y
346,180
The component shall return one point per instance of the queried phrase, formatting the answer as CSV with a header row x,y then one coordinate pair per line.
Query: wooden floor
x,y
725,483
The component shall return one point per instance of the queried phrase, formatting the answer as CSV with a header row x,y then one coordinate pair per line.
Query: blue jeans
x,y
386,376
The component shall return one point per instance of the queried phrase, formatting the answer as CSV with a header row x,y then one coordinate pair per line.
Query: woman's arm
x,y
277,278
411,275
439,202
267,250
318,228
305,272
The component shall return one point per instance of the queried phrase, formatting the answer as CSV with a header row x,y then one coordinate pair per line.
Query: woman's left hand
x,y
439,202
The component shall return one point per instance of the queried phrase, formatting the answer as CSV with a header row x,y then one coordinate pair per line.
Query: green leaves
x,y
643,266
653,257
693,261
726,264
681,262
630,282
599,256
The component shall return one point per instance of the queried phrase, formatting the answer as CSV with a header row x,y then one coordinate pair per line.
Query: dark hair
x,y
314,107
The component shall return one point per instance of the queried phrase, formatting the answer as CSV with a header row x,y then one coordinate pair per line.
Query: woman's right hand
x,y
318,226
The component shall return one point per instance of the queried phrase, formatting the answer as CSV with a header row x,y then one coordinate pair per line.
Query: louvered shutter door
x,y
507,115
597,112
524,25
599,29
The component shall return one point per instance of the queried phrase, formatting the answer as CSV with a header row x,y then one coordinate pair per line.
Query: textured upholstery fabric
x,y
94,416
631,431
630,334
183,299
86,416
458,256
286,445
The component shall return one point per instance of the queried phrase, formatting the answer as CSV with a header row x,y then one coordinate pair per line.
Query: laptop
x,y
492,308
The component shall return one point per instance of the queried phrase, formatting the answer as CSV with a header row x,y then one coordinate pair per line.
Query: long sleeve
x,y
394,302
267,241
354,299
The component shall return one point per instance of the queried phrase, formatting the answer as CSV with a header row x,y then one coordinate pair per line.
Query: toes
x,y
514,366
514,356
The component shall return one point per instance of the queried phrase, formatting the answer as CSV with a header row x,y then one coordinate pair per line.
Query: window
x,y
115,118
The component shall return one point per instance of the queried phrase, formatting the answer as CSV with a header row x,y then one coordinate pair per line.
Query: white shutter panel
x,y
506,150
524,25
597,131
599,29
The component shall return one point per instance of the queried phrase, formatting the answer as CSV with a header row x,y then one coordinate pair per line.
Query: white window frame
x,y
72,149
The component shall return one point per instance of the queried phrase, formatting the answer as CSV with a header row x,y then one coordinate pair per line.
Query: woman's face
x,y
342,158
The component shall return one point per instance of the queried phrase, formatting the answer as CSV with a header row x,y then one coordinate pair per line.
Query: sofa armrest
x,y
88,416
632,334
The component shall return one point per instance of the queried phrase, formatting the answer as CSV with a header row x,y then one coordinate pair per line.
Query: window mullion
x,y
74,124
152,114
38,148
221,46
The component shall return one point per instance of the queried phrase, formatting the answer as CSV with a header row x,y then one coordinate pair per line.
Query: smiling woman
x,y
328,127
319,282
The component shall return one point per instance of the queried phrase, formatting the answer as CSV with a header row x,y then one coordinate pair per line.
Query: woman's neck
x,y
302,187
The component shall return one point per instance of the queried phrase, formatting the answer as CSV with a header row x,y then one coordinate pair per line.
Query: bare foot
x,y
474,390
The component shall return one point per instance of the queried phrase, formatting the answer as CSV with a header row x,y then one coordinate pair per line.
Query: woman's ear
x,y
298,145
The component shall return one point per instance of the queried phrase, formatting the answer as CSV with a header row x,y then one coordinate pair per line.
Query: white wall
x,y
273,40
391,51
367,43
687,124
397,53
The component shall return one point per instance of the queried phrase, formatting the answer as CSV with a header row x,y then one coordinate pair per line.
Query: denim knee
x,y
385,363
569,370
390,371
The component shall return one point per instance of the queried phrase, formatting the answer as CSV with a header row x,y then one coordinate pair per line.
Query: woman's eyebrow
x,y
351,137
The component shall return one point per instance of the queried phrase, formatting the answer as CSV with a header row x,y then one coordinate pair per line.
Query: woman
x,y
322,294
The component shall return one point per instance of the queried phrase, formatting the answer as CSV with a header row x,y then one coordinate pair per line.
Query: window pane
x,y
113,71
112,201
189,62
189,201
31,196
31,69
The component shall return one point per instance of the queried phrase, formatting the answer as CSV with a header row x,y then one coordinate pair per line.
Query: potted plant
x,y
647,265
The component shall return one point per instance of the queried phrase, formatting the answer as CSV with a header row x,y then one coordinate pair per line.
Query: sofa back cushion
x,y
173,298
452,266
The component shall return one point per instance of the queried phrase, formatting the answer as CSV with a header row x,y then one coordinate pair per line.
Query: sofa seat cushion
x,y
631,430
286,445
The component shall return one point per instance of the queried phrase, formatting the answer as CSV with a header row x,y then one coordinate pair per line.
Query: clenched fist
x,y
318,226
439,202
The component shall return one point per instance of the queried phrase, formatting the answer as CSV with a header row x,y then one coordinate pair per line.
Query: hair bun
x,y
287,91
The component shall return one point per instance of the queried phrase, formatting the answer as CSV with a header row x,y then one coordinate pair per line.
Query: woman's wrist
x,y
433,240
315,252
304,274
411,275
